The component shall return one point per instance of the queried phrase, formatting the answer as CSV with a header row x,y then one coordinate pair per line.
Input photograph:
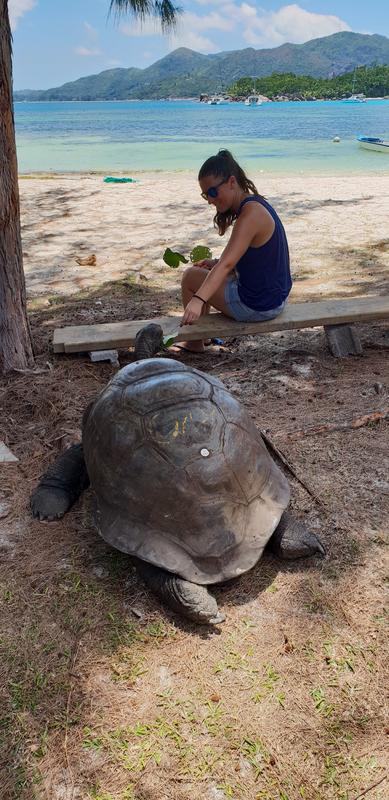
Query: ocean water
x,y
125,137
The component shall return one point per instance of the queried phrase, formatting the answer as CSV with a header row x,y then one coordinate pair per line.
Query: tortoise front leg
x,y
186,598
291,539
61,485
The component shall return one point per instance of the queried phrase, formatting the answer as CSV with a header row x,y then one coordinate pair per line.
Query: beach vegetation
x,y
371,81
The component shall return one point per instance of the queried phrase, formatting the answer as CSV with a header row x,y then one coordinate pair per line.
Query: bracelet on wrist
x,y
200,298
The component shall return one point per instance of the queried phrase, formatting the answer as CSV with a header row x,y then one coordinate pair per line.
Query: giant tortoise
x,y
182,481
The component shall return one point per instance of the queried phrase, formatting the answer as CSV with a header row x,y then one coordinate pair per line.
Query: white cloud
x,y
194,41
186,21
148,27
17,9
92,48
87,51
191,28
257,27
188,31
212,21
291,24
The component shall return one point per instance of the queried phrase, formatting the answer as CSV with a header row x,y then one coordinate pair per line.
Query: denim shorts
x,y
242,313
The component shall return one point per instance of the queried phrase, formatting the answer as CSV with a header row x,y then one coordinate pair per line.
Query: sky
x,y
55,42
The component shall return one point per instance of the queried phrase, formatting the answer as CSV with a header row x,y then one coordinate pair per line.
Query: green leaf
x,y
169,339
173,259
199,252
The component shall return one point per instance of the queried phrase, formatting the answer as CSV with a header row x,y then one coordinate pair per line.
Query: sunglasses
x,y
212,192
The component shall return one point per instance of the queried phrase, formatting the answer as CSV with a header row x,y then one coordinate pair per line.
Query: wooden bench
x,y
336,316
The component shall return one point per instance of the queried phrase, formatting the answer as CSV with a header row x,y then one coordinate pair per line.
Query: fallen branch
x,y
282,457
329,427
369,788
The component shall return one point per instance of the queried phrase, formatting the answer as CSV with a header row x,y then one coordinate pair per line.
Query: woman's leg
x,y
192,280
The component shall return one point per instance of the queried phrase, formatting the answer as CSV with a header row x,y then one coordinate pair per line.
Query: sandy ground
x,y
336,227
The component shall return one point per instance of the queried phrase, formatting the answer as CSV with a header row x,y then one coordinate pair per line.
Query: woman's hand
x,y
193,311
206,263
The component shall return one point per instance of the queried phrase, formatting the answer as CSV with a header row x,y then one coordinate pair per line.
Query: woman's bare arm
x,y
253,221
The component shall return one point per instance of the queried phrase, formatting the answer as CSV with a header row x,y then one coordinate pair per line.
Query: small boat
x,y
356,98
373,143
218,100
253,100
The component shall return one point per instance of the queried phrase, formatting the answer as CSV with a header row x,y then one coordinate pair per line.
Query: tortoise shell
x,y
181,475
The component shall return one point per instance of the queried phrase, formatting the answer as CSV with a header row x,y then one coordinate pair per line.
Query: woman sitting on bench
x,y
251,280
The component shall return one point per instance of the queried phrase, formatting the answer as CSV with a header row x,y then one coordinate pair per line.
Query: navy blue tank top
x,y
264,279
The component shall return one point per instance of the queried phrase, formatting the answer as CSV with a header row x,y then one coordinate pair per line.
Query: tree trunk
x,y
15,339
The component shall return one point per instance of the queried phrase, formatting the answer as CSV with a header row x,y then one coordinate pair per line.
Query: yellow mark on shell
x,y
180,426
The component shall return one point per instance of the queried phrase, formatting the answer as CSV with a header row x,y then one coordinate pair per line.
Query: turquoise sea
x,y
287,137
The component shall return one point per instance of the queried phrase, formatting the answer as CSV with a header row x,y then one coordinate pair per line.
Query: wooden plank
x,y
6,457
118,335
80,338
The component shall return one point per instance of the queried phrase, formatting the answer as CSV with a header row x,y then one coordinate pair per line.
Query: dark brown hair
x,y
223,165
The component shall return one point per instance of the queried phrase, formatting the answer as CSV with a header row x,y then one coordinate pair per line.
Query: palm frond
x,y
164,10
167,13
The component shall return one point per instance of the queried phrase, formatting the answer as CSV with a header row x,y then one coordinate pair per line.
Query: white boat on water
x,y
253,100
373,143
218,100
356,98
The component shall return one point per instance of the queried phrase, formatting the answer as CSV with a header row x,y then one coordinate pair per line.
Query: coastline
x,y
196,99
337,241
283,138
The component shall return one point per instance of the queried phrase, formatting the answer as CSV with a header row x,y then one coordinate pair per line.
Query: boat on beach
x,y
373,143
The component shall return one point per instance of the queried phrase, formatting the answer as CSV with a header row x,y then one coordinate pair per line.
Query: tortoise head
x,y
148,341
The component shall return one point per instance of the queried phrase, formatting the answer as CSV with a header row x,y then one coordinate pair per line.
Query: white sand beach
x,y
336,226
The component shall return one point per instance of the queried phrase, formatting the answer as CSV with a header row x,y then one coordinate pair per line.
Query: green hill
x,y
185,73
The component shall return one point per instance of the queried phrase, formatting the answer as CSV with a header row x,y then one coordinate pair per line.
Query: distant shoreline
x,y
193,100
147,172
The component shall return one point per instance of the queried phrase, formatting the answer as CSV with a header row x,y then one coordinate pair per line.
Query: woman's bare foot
x,y
187,347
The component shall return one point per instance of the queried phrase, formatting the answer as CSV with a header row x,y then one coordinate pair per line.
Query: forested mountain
x,y
185,73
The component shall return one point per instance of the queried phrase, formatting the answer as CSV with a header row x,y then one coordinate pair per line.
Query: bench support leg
x,y
343,340
105,355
